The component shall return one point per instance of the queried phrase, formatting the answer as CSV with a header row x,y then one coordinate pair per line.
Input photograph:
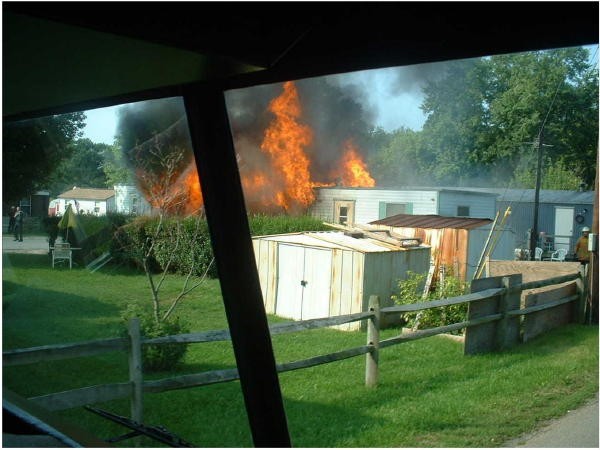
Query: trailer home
x,y
347,206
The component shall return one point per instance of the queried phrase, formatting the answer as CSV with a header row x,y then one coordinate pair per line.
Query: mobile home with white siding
x,y
363,205
323,274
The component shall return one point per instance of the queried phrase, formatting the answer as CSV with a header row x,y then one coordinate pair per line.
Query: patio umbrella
x,y
70,220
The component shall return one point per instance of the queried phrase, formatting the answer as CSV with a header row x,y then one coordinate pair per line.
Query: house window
x,y
463,211
343,215
96,208
391,209
343,212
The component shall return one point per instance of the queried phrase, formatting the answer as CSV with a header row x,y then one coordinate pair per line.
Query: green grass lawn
x,y
429,395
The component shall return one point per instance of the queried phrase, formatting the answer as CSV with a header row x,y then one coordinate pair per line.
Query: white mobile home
x,y
364,205
86,201
129,200
321,274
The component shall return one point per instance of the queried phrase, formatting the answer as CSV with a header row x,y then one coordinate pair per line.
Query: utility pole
x,y
538,182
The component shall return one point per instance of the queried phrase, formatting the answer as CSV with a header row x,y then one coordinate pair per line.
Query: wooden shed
x,y
456,242
321,274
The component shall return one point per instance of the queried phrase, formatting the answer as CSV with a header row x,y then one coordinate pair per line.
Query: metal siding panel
x,y
262,268
346,282
479,205
372,276
289,289
431,221
461,257
336,281
271,299
357,282
367,201
317,289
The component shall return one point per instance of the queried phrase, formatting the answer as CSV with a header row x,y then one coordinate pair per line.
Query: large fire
x,y
353,170
285,141
285,182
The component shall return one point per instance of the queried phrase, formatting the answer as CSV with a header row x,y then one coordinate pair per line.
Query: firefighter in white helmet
x,y
581,247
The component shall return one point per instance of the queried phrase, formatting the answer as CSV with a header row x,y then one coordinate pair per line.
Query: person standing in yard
x,y
11,219
19,225
581,247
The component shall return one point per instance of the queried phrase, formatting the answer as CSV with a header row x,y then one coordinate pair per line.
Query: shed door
x,y
563,228
317,284
289,289
304,282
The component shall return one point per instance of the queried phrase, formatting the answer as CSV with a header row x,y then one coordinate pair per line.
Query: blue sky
x,y
393,97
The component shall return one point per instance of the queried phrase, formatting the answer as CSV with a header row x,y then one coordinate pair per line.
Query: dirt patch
x,y
534,271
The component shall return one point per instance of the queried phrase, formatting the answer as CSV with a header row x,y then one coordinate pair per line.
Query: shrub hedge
x,y
187,241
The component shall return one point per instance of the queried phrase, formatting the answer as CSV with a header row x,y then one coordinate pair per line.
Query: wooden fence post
x,y
372,365
135,370
508,328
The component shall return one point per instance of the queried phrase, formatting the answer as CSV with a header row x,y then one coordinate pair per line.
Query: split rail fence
x,y
497,319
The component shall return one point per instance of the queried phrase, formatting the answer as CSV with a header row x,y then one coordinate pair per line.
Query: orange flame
x,y
191,186
285,141
286,181
353,171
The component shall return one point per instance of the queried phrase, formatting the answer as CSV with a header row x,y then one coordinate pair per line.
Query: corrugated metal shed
x,y
322,274
456,242
432,221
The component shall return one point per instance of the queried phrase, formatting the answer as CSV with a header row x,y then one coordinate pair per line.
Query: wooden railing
x,y
493,322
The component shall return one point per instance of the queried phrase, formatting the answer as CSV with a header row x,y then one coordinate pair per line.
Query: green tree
x,y
83,168
484,115
400,159
456,116
555,175
556,89
115,166
32,149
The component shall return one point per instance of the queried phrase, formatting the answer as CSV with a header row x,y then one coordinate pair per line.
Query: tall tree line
x,y
484,117
483,121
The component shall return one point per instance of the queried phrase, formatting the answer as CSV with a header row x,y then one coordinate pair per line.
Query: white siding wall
x,y
480,206
125,203
87,206
368,200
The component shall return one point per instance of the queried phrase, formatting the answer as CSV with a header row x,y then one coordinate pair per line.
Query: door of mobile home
x,y
563,227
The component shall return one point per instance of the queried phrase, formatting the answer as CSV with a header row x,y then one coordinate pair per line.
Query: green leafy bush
x,y
262,224
158,357
184,244
410,291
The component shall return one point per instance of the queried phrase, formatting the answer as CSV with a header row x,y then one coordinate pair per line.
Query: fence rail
x,y
494,319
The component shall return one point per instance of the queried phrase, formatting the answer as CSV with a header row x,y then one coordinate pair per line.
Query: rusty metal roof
x,y
431,221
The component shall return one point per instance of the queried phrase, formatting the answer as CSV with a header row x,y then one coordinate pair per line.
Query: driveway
x,y
576,429
31,244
